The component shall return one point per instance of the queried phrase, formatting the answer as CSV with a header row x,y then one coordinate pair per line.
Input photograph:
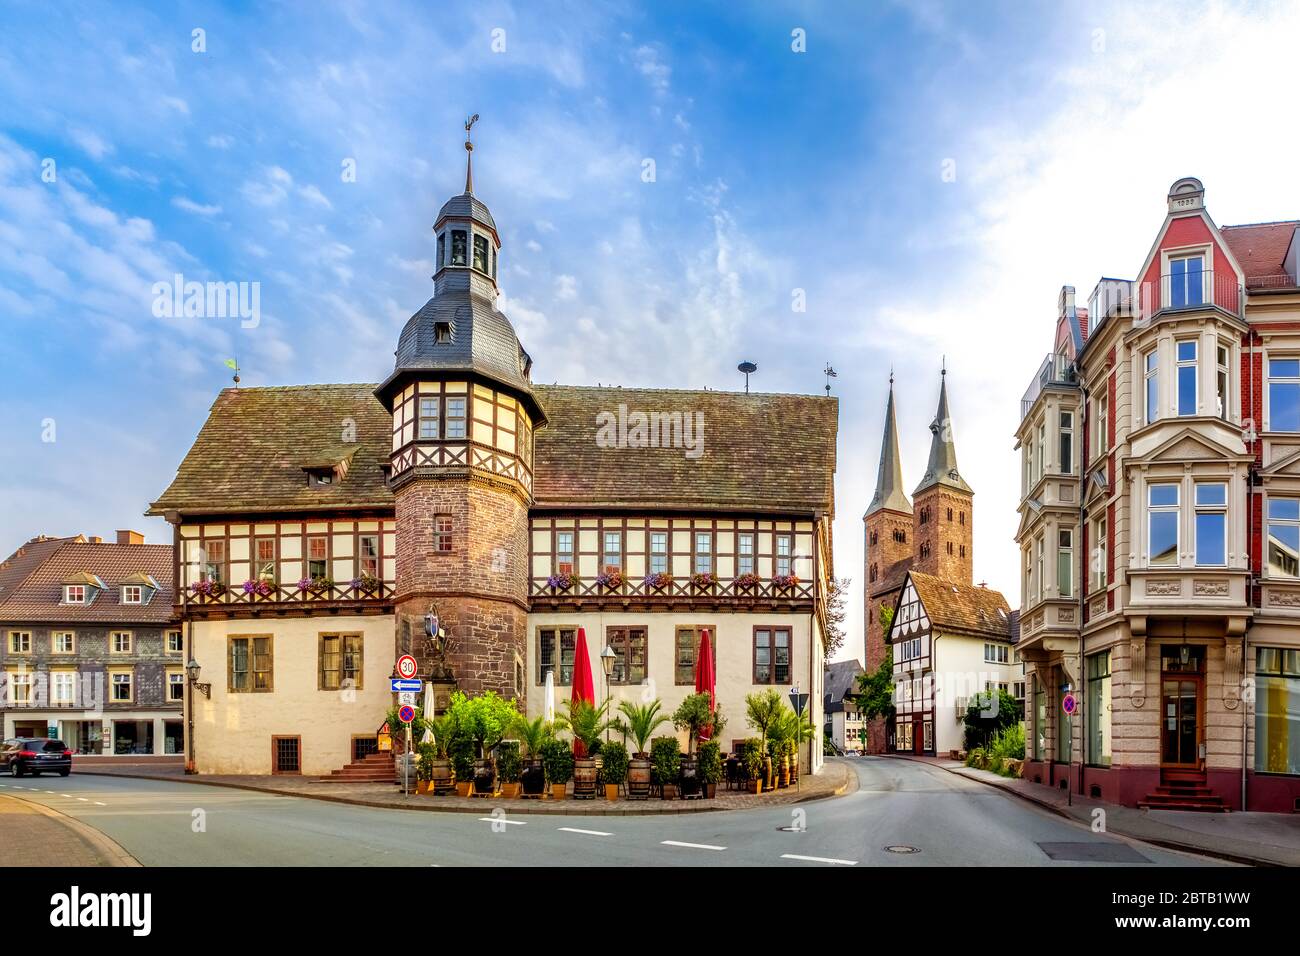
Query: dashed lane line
x,y
818,859
691,846
513,823
587,832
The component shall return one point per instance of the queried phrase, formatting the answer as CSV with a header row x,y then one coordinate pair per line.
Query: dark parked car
x,y
35,755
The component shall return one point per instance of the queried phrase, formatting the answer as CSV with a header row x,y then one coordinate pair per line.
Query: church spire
x,y
469,156
889,479
942,466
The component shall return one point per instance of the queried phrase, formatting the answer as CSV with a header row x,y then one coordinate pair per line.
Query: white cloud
x,y
646,60
188,205
566,288
315,197
271,190
91,142
220,141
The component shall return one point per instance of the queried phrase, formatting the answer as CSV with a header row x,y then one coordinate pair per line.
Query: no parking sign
x,y
1069,703
406,713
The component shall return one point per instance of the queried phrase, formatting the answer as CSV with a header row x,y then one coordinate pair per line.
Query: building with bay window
x,y
318,526
91,654
1160,524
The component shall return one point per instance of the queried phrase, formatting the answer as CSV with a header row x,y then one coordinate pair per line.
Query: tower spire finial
x,y
469,155
889,478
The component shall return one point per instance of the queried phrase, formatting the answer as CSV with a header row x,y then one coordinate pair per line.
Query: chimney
x,y
1065,301
95,539
130,537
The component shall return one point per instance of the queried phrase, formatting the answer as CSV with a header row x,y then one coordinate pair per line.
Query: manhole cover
x,y
792,829
901,848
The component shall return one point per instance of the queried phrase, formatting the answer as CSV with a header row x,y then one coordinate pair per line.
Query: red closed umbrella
x,y
584,688
705,678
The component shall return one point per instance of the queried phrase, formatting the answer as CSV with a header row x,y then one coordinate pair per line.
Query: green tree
x,y
762,710
837,591
875,696
987,715
485,719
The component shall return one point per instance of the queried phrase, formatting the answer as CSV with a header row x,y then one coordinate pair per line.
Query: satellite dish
x,y
748,368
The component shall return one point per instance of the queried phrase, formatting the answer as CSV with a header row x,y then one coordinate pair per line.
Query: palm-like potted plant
x,y
614,770
642,720
761,711
779,735
533,734
440,775
557,760
588,723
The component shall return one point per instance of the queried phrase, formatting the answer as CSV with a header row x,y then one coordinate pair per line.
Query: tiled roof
x,y
761,453
1260,248
39,597
963,608
841,678
24,561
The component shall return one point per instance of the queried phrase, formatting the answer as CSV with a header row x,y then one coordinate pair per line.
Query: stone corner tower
x,y
943,505
464,415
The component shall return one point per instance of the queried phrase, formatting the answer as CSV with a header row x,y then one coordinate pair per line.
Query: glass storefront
x,y
1277,710
1097,712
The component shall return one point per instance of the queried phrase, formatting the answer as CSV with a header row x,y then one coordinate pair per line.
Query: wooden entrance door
x,y
1181,721
918,736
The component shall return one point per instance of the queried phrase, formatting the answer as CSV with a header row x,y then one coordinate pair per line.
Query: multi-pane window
x,y
1186,281
132,594
442,533
1097,711
20,642
74,594
368,554
175,642
1067,443
63,687
996,653
658,552
429,427
564,552
1098,560
288,754
119,642
555,650
784,553
1039,547
687,652
175,686
1039,735
1185,356
1162,525
1277,702
1284,395
64,642
1211,523
481,253
1100,429
20,687
459,250
456,417
214,561
250,668
703,552
340,661
611,556
265,559
1065,562
317,556
1040,452
771,655
1029,464
745,553
1152,377
629,643
1284,537
120,685
1222,379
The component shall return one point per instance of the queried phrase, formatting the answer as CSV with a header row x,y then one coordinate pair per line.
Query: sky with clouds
x,y
928,174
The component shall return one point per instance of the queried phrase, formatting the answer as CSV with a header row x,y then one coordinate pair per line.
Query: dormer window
x,y
441,333
132,594
481,261
459,250
320,477
74,594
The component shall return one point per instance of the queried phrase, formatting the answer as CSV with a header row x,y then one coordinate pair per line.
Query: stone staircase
x,y
1183,790
373,768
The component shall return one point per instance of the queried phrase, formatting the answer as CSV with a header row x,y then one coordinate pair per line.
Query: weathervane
x,y
469,155
748,368
830,373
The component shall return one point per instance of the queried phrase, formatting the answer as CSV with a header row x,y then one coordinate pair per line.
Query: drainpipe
x,y
1083,577
1245,656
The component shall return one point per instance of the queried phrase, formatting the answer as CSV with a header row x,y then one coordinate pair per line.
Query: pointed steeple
x,y
469,155
889,479
942,466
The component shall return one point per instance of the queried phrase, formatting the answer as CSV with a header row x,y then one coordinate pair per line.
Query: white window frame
x,y
60,679
174,679
1269,520
54,643
167,642
1199,509
23,644
113,647
1101,427
1176,510
74,594
1065,418
132,594
1150,380
1099,574
1065,558
1167,258
1194,363
1223,379
1040,546
1269,379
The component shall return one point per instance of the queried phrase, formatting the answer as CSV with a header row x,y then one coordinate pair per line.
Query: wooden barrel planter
x,y
441,781
794,769
783,772
485,778
533,779
584,778
638,778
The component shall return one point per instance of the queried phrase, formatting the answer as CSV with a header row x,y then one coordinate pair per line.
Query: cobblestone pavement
x,y
34,835
835,779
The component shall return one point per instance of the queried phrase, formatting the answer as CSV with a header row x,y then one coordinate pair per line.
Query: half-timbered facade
x,y
318,526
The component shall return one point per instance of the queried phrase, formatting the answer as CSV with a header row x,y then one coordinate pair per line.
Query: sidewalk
x,y
1261,839
836,779
34,835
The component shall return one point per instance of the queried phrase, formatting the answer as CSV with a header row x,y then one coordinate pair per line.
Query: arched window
x,y
873,572
442,250
949,514
459,248
874,538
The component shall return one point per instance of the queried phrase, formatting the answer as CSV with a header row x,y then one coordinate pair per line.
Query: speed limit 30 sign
x,y
407,667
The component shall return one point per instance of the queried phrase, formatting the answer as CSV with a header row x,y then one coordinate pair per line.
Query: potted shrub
x,y
784,582
561,581
709,755
614,771
532,735
367,584
665,765
425,755
752,759
510,767
485,719
557,761
461,751
747,581
779,734
703,580
587,723
440,774
642,721
657,580
762,710
610,580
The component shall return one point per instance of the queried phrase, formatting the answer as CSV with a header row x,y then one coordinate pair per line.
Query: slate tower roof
x,y
942,466
889,479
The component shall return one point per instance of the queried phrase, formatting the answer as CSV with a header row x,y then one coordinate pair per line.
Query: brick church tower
x,y
461,465
888,528
942,509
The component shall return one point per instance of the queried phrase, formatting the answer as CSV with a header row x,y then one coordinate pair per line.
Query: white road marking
x,y
818,859
83,799
98,804
587,832
513,823
692,846
68,795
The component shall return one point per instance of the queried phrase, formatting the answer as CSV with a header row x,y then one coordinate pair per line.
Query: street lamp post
x,y
607,658
192,671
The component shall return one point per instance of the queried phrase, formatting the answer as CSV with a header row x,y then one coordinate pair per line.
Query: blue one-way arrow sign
x,y
413,686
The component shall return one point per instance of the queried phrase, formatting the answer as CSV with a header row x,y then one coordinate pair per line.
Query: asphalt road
x,y
945,820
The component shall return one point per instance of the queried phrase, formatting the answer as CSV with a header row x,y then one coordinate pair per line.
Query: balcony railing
x,y
1056,370
1281,280
278,595
1172,293
678,591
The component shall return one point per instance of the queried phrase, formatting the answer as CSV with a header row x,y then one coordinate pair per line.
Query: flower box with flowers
x,y
367,585
784,582
259,588
657,580
207,589
561,581
316,587
703,580
610,580
747,581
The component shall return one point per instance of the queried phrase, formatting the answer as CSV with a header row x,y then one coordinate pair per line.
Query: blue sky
x,y
775,170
